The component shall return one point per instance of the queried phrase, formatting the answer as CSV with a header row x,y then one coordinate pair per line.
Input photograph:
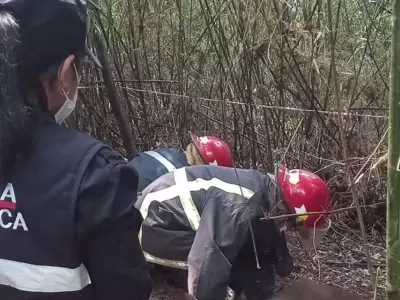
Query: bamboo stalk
x,y
393,209
344,145
120,114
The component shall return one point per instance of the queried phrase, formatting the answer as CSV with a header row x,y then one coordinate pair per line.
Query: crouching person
x,y
207,219
201,151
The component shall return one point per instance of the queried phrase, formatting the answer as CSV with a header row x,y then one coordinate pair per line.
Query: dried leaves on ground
x,y
340,261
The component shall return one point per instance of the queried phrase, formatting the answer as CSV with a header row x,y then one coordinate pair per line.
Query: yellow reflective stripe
x,y
186,199
144,207
161,159
159,196
182,188
165,262
197,185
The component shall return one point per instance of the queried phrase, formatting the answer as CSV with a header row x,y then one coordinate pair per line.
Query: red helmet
x,y
305,192
213,150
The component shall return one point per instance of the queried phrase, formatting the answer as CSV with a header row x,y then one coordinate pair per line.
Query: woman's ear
x,y
67,74
63,85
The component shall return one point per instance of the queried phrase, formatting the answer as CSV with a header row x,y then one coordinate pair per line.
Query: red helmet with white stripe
x,y
213,150
305,192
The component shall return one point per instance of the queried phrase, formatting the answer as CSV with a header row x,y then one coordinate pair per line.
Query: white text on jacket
x,y
9,217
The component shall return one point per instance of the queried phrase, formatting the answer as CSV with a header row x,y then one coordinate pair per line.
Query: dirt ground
x,y
340,261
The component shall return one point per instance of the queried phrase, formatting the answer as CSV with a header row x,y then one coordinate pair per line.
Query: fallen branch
x,y
322,212
362,263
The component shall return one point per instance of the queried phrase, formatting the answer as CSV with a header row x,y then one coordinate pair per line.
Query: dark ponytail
x,y
14,113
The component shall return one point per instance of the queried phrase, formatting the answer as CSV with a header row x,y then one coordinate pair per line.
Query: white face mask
x,y
69,105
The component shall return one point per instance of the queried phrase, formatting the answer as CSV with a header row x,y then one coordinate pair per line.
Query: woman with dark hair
x,y
68,226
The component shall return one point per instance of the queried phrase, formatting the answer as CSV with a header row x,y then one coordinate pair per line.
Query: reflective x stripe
x,y
186,198
183,189
161,159
144,208
45,279
173,191
196,185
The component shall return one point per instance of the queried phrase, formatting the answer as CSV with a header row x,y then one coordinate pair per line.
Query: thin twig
x,y
322,212
359,175
272,107
376,282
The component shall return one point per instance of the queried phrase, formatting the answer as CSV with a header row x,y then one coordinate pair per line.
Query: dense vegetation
x,y
255,72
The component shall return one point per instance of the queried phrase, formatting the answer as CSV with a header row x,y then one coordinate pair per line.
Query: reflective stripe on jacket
x,y
197,218
155,163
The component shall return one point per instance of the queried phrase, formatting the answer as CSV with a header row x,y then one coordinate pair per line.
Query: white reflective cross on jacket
x,y
205,200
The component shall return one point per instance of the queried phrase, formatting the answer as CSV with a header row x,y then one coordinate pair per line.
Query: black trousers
x,y
256,284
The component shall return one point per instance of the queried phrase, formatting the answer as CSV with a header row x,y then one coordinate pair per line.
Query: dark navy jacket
x,y
153,164
68,227
197,218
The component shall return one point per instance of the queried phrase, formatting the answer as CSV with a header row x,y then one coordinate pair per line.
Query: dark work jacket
x,y
198,217
152,164
68,227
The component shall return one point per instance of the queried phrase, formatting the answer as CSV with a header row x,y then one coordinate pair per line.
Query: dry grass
x,y
258,74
